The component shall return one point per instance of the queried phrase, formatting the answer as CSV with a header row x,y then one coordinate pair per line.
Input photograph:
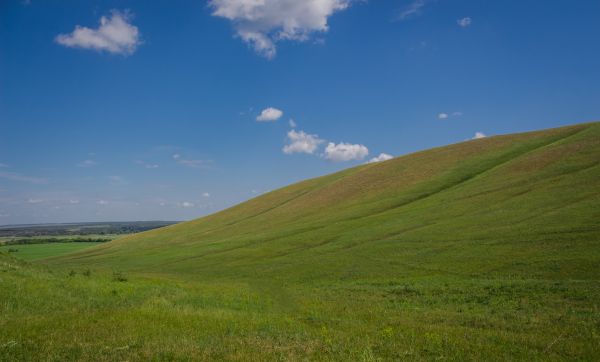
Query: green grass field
x,y
483,250
31,252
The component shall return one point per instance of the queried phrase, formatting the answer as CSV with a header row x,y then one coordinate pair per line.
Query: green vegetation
x,y
484,250
44,250
65,239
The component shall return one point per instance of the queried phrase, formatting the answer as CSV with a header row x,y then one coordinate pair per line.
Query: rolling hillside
x,y
487,250
494,206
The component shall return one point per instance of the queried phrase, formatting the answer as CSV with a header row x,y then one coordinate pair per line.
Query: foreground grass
x,y
93,315
32,252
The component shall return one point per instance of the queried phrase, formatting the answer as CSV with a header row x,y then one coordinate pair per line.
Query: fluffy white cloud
x,y
345,152
479,135
269,115
464,22
206,194
381,157
262,23
114,35
443,116
301,142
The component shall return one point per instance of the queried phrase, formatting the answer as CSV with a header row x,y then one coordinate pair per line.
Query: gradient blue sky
x,y
161,122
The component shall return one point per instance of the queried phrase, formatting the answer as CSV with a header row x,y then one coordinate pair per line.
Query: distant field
x,y
32,252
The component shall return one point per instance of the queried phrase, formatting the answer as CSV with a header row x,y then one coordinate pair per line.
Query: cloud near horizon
x,y
263,23
302,142
345,152
382,157
115,35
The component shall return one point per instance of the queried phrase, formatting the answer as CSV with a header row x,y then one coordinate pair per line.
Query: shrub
x,y
119,277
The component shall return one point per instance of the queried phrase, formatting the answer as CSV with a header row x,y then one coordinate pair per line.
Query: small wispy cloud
x,y
146,165
193,163
87,163
102,202
445,115
185,204
205,194
464,22
35,201
15,176
413,9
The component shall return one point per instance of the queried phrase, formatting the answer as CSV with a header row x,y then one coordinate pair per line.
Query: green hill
x,y
494,206
483,250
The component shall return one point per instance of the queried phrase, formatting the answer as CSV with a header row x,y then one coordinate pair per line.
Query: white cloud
x,y
73,201
345,152
35,201
445,115
86,163
185,204
413,9
151,165
464,22
293,123
176,156
301,142
15,176
262,23
479,135
269,115
206,194
114,35
380,158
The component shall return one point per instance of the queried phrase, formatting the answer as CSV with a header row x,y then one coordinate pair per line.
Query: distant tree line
x,y
25,241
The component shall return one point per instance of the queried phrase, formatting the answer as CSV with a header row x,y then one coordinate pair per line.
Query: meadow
x,y
483,250
36,251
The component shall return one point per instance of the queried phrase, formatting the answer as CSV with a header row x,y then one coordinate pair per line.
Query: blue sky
x,y
138,110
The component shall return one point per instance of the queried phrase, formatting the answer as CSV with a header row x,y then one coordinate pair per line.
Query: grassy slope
x,y
483,250
482,207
